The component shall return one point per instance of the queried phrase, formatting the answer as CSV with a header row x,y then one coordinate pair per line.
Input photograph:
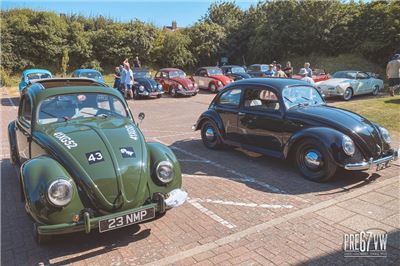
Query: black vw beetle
x,y
288,118
145,85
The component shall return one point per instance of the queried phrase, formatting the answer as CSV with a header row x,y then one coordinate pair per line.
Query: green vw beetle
x,y
83,162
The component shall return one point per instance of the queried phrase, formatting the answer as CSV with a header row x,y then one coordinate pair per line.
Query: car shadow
x,y
17,235
395,101
254,170
14,101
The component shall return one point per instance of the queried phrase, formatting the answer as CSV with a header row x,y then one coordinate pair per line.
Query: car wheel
x,y
210,135
40,239
213,88
348,94
376,90
172,91
314,161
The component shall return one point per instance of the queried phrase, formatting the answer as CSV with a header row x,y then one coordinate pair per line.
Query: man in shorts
x,y
128,81
393,73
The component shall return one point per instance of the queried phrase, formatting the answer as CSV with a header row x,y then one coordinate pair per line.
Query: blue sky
x,y
159,12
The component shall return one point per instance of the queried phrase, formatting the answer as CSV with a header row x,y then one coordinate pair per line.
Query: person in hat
x,y
393,73
304,73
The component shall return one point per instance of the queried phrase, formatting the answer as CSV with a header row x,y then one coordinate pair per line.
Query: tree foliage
x,y
270,30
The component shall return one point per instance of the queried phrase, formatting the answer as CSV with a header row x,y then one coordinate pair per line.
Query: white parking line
x,y
245,204
210,214
172,135
192,161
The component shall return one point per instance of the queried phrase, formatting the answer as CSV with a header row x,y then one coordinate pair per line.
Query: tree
x,y
64,62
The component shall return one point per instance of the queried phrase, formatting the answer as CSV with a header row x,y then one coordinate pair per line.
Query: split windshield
x,y
345,75
141,74
214,71
177,74
238,70
301,96
92,75
38,76
66,107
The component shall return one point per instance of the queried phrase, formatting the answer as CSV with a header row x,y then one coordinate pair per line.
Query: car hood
x,y
360,129
185,82
149,83
224,79
112,182
334,82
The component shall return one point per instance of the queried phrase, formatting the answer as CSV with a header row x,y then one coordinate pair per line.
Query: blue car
x,y
31,74
88,73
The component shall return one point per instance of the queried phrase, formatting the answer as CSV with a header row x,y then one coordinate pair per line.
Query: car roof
x,y
277,83
209,67
86,70
35,70
169,69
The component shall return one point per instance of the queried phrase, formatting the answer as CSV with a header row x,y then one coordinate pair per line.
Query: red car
x,y
318,75
175,82
211,78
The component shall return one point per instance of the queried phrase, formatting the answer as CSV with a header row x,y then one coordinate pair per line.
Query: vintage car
x,y
235,72
31,74
88,73
175,82
287,118
348,83
257,70
83,162
211,78
317,75
145,85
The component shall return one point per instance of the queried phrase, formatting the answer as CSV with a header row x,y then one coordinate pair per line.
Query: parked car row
x,y
175,82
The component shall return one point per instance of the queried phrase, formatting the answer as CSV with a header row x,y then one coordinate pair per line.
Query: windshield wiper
x,y
287,99
66,118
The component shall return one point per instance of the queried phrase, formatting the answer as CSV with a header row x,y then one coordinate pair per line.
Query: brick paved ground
x,y
243,208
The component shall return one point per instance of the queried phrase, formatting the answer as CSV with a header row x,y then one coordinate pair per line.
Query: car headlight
x,y
180,87
159,86
219,83
195,85
385,134
141,88
60,192
165,172
348,145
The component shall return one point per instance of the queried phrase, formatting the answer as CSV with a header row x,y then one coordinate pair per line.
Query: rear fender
x,y
12,139
36,176
330,138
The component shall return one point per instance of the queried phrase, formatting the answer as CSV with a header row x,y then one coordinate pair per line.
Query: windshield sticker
x,y
127,152
67,141
94,157
131,132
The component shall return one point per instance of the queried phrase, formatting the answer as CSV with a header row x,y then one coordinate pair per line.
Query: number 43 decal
x,y
94,157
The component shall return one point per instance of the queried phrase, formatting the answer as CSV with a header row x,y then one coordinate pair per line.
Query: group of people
x,y
276,70
123,77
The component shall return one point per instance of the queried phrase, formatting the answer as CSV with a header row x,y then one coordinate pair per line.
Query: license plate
x,y
126,219
382,166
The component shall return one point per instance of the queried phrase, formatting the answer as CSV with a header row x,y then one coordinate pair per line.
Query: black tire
x,y
212,142
172,92
375,90
348,94
213,87
159,95
40,239
314,161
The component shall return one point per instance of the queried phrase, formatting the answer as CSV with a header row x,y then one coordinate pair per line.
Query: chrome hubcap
x,y
312,160
210,134
347,94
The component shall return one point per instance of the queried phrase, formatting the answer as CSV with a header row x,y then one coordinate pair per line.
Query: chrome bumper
x,y
371,163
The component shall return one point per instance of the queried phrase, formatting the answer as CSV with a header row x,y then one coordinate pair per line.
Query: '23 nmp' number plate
x,y
126,219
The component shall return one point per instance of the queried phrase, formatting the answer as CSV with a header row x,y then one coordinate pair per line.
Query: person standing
x,y
122,78
136,62
117,78
288,69
393,73
274,66
270,72
279,73
308,69
128,80
304,73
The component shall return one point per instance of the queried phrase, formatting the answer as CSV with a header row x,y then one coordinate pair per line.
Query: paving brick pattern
x,y
231,184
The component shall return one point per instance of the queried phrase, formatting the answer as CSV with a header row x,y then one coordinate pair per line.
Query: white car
x,y
349,83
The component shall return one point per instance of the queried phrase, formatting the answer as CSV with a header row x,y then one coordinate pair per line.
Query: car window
x,y
362,75
301,96
215,71
38,76
264,68
77,106
92,75
231,97
262,99
345,75
26,112
203,73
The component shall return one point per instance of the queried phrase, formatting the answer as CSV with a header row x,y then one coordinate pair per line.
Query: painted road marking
x,y
245,204
212,215
192,161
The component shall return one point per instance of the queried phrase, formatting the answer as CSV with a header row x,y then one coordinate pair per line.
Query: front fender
x,y
157,153
210,114
36,176
330,138
12,140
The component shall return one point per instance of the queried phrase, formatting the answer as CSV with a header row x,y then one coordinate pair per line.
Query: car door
x,y
202,79
227,106
364,83
23,128
260,119
160,77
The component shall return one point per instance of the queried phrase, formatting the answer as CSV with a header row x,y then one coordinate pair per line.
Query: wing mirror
x,y
141,117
